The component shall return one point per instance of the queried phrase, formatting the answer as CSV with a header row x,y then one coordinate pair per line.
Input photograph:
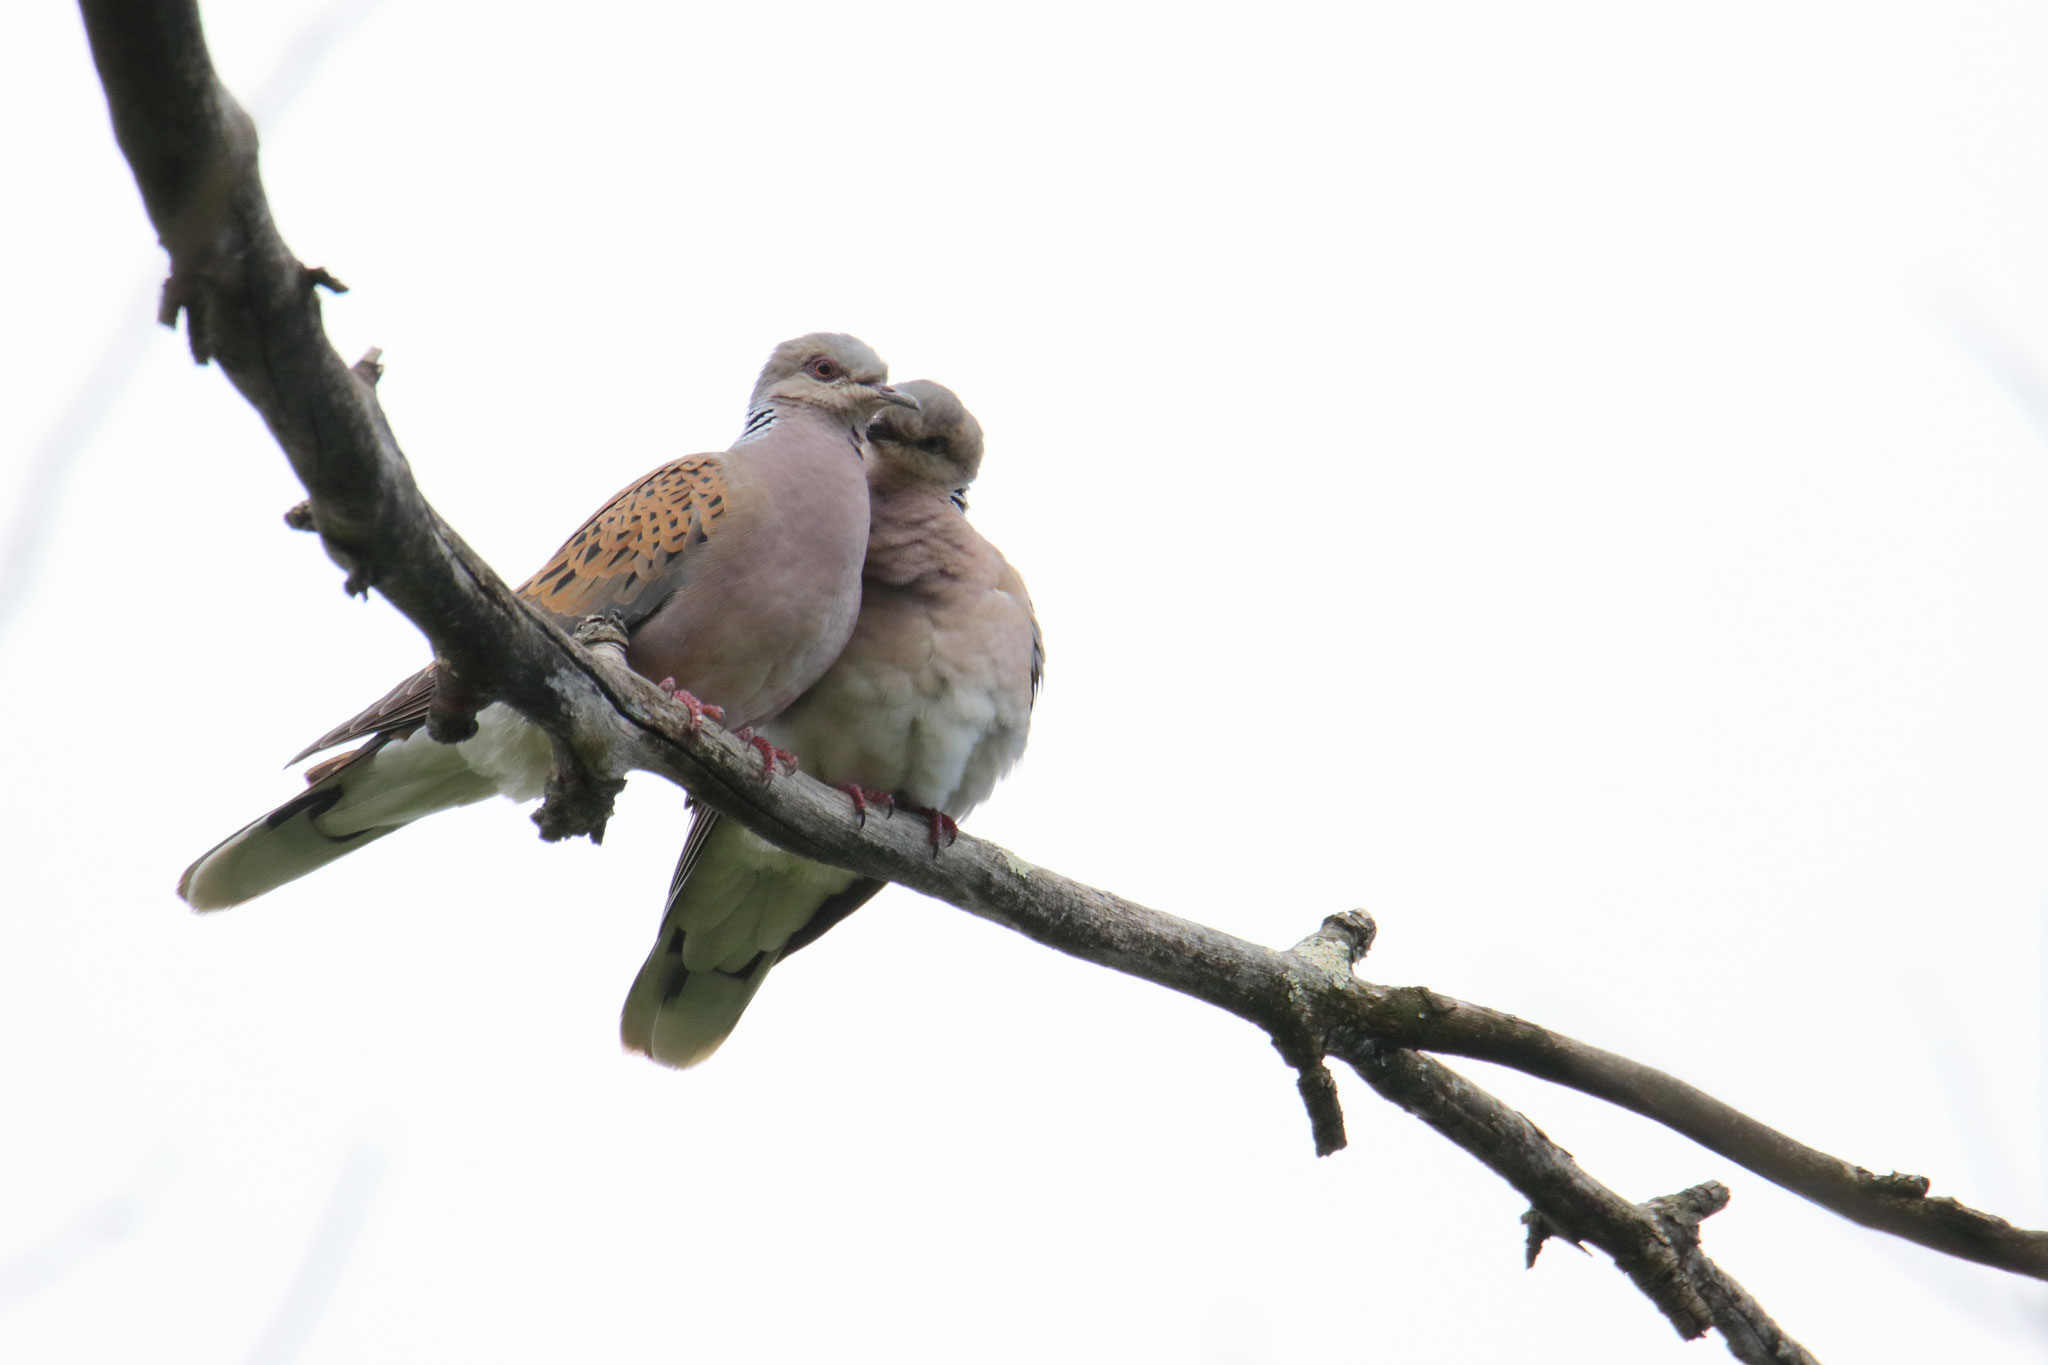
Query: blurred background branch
x,y
39,503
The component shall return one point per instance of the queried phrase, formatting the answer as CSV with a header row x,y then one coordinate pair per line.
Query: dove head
x,y
938,442
829,370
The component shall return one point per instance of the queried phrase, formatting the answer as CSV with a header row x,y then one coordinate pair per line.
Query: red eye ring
x,y
821,367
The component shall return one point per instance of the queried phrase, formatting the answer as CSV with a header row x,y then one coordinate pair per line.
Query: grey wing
x,y
400,711
832,912
706,820
1011,584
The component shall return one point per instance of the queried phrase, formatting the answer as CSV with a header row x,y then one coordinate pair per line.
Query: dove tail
x,y
281,847
737,900
360,797
678,1016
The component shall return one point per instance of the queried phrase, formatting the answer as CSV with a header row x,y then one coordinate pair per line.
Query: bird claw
x,y
700,711
862,797
772,758
940,827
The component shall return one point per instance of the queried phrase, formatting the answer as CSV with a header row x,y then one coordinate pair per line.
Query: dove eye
x,y
933,445
822,367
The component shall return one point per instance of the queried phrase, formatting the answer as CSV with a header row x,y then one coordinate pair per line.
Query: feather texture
x,y
632,543
363,796
738,574
930,701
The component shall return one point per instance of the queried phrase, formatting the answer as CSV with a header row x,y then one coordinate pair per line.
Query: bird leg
x,y
862,797
700,711
771,757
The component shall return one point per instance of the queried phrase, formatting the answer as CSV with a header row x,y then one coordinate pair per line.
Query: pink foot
x,y
700,711
862,798
943,831
771,757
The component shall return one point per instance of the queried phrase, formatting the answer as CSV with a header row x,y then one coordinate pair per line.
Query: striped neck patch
x,y
758,421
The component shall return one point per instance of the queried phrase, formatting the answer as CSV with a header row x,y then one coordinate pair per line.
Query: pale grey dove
x,y
736,574
930,704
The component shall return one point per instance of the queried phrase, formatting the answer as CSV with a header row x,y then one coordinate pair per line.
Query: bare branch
x,y
1332,950
1568,1203
253,307
1319,1095
1655,1244
1751,1334
1896,1203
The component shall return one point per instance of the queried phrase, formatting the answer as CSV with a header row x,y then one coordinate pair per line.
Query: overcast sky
x,y
1571,479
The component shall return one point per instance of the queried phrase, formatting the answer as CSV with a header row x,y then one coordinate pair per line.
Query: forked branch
x,y
253,308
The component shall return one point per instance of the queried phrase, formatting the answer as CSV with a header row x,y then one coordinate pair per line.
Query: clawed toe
x,y
700,711
940,827
863,797
772,758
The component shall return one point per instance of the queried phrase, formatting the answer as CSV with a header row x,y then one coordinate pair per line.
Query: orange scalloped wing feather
x,y
617,560
622,554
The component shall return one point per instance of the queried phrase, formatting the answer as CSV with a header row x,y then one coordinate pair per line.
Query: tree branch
x,y
1655,1244
250,305
1751,1334
1896,1203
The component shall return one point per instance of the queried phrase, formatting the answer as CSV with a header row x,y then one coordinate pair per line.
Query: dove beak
x,y
901,400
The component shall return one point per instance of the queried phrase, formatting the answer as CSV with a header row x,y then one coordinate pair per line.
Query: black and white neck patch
x,y
758,421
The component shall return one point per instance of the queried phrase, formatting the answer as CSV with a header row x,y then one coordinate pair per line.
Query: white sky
x,y
1569,478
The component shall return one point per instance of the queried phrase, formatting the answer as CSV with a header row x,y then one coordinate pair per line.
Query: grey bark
x,y
251,307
